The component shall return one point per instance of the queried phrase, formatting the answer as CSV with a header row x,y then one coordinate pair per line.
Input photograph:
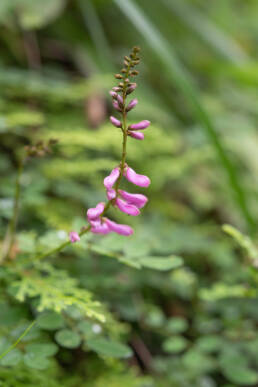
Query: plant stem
x,y
9,238
18,340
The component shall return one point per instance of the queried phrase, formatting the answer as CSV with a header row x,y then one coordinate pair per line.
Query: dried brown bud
x,y
126,63
121,85
123,71
118,76
134,73
127,58
136,49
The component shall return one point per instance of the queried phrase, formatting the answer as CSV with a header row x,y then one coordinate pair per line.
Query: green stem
x,y
9,238
18,340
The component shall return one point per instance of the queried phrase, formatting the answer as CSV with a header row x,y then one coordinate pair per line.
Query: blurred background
x,y
198,86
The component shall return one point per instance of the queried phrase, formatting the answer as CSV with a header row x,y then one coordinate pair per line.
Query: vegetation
x,y
175,304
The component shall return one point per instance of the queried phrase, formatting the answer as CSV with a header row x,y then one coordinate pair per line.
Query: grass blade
x,y
180,76
207,31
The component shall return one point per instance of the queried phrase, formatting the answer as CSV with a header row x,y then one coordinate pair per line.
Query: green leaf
x,y
174,344
209,343
109,348
12,358
240,375
177,325
42,349
50,321
36,361
161,263
68,338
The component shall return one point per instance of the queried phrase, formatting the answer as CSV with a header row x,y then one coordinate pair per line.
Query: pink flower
x,y
129,209
116,106
110,180
94,213
113,94
120,100
137,135
131,88
135,178
74,236
132,104
100,228
115,122
137,200
122,229
140,125
111,194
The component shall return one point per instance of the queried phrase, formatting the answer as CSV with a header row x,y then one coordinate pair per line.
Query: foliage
x,y
176,304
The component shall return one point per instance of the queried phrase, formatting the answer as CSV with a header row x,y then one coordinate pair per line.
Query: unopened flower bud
x,y
116,106
74,236
113,94
131,88
136,135
118,76
115,122
120,100
140,125
132,104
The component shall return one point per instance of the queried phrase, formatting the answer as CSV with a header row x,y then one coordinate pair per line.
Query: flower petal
x,y
110,180
137,135
129,209
135,178
138,200
94,213
122,229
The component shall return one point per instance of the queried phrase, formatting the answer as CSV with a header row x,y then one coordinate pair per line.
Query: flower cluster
x,y
129,203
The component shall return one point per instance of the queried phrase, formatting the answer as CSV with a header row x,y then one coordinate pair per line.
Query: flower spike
x,y
126,202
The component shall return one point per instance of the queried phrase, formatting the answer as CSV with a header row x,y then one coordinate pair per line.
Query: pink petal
x,y
74,236
129,209
94,213
122,229
120,100
116,106
140,125
132,104
101,228
115,122
138,200
137,135
113,94
131,88
111,194
110,180
135,178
